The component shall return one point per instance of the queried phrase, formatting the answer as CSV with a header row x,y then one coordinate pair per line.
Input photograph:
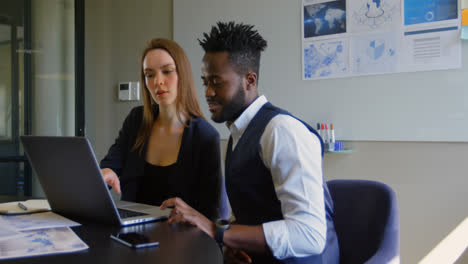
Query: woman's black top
x,y
198,169
157,184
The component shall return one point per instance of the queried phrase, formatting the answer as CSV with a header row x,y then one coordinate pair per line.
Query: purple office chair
x,y
366,221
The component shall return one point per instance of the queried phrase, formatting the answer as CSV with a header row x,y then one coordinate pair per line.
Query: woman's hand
x,y
111,179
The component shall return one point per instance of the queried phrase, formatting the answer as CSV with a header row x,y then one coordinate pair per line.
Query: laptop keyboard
x,y
127,213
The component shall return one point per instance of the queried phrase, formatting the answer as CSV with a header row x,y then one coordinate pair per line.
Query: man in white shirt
x,y
274,180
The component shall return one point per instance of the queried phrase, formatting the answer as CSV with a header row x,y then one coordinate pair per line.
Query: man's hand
x,y
111,179
183,213
235,256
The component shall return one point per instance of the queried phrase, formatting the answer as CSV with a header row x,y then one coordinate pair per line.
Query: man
x,y
274,180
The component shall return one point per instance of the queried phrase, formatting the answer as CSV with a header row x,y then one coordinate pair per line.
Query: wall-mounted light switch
x,y
129,91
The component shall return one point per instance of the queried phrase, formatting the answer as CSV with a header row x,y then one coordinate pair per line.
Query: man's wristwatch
x,y
221,226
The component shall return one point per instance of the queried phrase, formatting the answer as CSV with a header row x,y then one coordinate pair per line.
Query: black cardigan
x,y
199,164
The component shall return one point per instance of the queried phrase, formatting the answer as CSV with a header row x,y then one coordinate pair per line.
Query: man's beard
x,y
233,109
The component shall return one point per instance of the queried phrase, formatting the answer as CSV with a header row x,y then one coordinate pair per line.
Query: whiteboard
x,y
417,106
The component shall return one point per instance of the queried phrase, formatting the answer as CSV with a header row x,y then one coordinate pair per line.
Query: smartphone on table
x,y
135,240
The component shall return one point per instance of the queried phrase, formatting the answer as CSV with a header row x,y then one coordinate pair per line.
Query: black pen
x,y
22,206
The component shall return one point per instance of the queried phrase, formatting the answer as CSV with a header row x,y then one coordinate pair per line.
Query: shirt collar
x,y
238,127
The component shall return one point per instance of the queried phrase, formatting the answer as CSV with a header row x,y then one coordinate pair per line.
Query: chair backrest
x,y
366,221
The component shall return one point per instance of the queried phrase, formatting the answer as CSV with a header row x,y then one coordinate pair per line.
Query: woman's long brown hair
x,y
186,102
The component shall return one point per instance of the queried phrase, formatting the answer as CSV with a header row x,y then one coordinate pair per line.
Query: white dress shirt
x,y
294,157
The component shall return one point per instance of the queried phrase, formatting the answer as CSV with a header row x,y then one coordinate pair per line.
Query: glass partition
x,y
37,81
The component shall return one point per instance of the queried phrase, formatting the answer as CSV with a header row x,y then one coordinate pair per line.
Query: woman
x,y
166,148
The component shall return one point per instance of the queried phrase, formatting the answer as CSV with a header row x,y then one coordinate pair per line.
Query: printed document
x,y
7,233
42,242
35,221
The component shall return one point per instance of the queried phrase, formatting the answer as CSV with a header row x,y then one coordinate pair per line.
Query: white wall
x,y
430,179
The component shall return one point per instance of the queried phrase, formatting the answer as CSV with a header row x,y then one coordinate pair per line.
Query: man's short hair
x,y
241,41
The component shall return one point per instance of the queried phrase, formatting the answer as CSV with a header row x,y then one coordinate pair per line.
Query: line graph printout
x,y
325,58
376,53
370,15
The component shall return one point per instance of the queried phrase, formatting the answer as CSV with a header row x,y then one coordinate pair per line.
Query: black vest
x,y
251,191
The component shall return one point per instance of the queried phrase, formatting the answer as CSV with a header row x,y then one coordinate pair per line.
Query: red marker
x,y
322,132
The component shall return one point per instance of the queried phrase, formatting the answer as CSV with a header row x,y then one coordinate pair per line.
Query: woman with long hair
x,y
166,148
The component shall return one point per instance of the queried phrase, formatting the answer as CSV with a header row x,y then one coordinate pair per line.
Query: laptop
x,y
72,182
